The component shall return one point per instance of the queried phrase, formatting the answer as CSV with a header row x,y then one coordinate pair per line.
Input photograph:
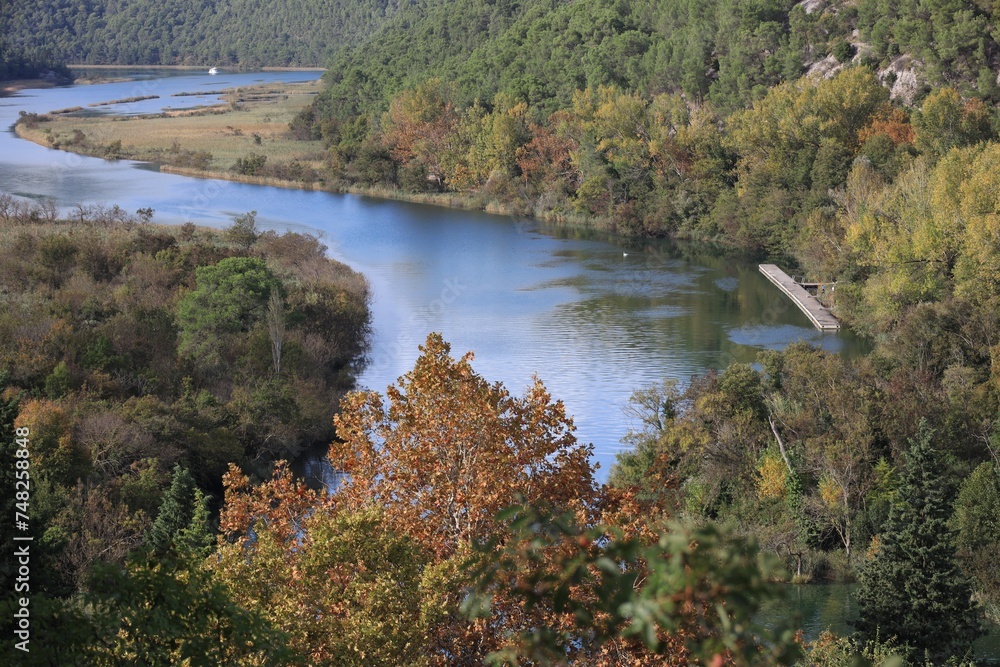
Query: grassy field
x,y
252,121
208,142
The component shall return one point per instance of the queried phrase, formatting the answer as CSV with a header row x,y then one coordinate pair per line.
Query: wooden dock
x,y
817,313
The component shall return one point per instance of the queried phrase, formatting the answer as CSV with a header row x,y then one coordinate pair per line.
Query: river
x,y
821,607
594,318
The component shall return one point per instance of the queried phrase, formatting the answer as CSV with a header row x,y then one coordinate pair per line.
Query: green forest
x,y
656,118
30,64
245,33
162,375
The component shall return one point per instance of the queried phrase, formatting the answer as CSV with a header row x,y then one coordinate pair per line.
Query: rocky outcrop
x,y
903,77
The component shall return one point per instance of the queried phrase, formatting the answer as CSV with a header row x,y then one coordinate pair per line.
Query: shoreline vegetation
x,y
231,68
146,361
13,86
8,88
125,100
815,456
251,124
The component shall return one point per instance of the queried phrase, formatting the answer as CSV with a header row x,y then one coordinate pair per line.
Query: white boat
x,y
214,70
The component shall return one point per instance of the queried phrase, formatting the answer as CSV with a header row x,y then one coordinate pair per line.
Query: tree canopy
x,y
911,587
450,450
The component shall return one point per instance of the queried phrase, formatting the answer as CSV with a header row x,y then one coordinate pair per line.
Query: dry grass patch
x,y
253,120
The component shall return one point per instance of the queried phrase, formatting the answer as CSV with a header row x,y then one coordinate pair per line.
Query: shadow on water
x,y
313,467
832,607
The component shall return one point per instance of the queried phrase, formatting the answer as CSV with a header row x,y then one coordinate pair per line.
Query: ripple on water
x,y
663,312
727,284
778,337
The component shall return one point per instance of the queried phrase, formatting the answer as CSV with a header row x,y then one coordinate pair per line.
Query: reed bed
x,y
254,120
125,100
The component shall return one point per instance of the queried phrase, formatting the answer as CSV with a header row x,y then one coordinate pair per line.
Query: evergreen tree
x,y
196,538
977,519
183,518
911,588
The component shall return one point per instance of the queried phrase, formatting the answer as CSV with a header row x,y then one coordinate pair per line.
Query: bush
x,y
114,150
229,299
57,384
843,51
31,120
250,165
243,233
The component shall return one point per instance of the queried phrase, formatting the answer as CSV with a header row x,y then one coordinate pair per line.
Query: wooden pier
x,y
817,313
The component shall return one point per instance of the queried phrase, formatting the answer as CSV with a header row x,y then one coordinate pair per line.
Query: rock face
x,y
810,6
903,75
824,68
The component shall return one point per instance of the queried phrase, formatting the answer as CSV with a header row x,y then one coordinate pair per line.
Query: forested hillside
x,y
725,51
856,140
732,121
247,33
31,64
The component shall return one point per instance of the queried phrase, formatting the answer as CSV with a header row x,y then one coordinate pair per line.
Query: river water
x,y
822,607
593,318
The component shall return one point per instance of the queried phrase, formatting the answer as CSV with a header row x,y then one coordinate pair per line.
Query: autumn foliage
x,y
469,530
450,450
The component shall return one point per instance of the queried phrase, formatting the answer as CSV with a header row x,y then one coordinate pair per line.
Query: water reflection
x,y
593,316
314,469
821,607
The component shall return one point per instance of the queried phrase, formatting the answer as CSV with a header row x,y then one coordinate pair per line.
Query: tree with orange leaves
x,y
450,450
343,588
440,459
470,531
890,121
687,596
546,159
420,125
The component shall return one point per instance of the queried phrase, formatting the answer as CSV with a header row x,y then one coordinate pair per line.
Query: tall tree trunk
x,y
276,327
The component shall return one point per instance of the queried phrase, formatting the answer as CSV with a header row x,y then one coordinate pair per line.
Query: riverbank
x,y
233,68
249,128
246,140
453,200
446,199
13,86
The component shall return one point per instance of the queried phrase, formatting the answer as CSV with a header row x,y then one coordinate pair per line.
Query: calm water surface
x,y
593,318
821,607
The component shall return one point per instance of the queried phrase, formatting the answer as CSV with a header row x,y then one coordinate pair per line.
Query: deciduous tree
x,y
449,450
229,298
688,596
344,587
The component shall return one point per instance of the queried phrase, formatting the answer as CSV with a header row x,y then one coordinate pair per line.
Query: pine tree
x,y
196,538
911,587
182,519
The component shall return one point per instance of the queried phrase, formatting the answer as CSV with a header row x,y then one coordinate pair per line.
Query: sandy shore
x,y
15,85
